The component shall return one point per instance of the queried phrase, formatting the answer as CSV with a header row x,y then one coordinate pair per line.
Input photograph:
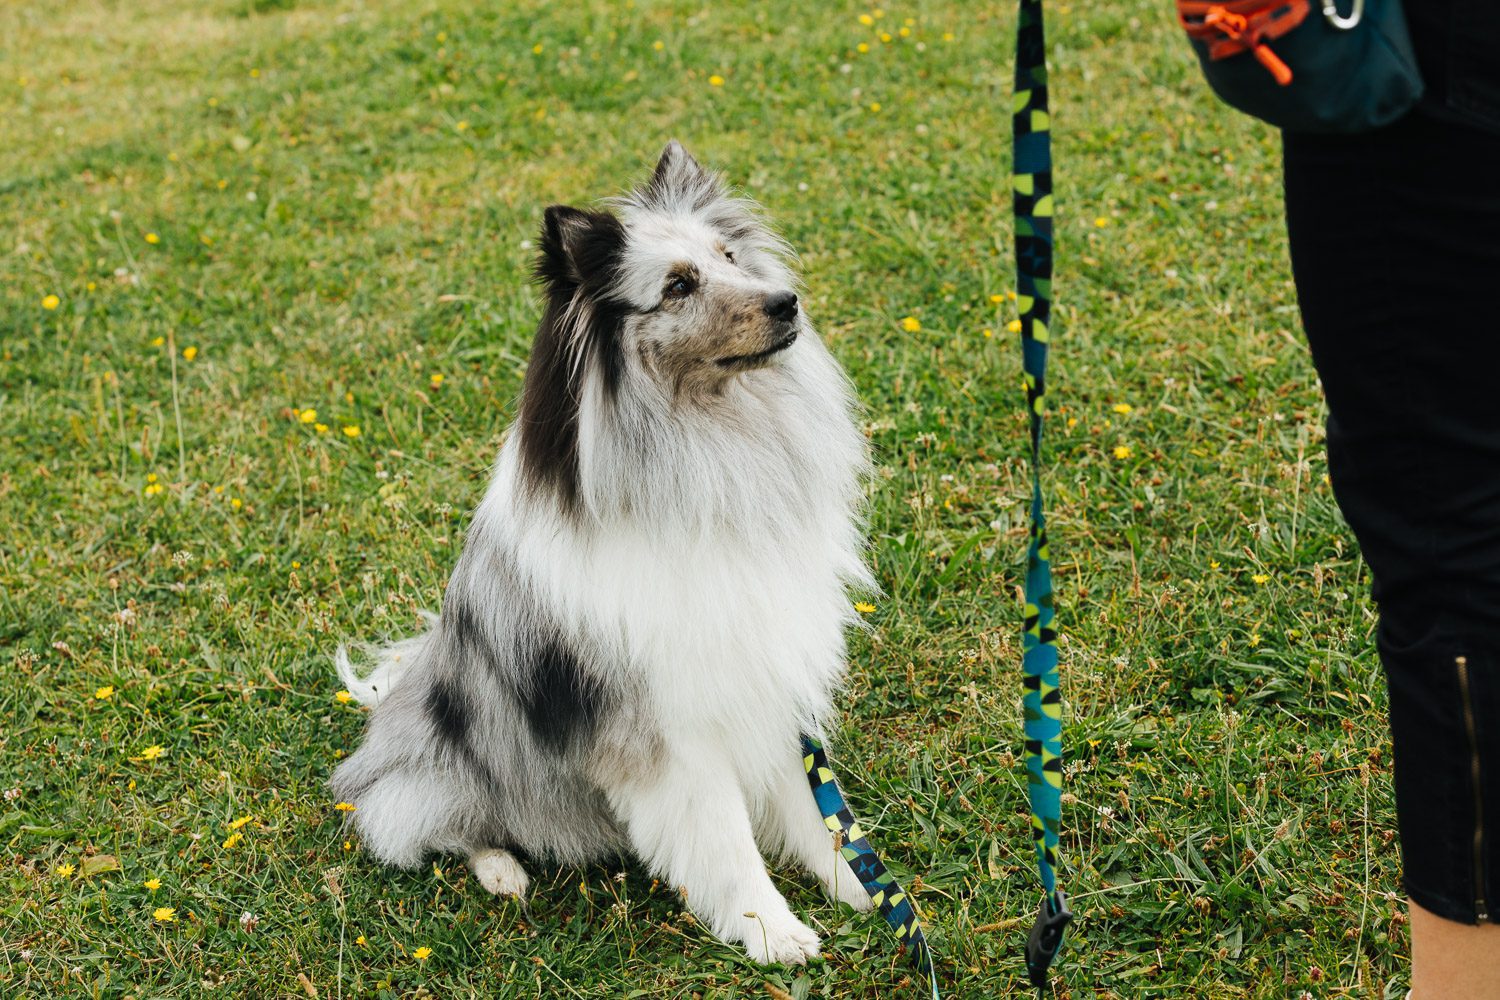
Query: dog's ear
x,y
677,169
563,231
577,245
679,178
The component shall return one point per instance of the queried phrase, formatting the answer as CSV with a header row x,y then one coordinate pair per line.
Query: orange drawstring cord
x,y
1233,25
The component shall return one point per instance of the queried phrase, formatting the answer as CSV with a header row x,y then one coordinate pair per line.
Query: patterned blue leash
x,y
892,901
1042,700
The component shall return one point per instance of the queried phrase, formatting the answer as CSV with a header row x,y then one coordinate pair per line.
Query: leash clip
x,y
1046,937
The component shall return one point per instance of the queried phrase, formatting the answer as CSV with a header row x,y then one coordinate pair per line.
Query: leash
x,y
1042,701
892,901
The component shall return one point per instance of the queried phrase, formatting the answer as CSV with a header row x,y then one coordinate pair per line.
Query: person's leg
x,y
1395,240
1453,960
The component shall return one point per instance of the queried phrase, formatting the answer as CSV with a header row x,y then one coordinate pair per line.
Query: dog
x,y
653,595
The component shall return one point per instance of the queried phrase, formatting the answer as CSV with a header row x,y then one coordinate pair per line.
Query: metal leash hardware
x,y
889,898
1042,700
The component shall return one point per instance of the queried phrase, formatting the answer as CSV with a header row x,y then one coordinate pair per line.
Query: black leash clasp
x,y
1046,937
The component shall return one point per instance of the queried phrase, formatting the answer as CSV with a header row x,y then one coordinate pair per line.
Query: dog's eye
x,y
679,288
729,256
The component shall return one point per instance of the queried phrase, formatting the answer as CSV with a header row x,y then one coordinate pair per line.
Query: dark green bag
x,y
1303,66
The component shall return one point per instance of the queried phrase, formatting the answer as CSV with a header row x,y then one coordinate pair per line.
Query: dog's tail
x,y
391,662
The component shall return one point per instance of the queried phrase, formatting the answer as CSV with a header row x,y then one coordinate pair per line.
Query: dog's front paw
x,y
499,872
780,938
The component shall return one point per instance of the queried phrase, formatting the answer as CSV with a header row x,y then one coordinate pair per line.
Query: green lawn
x,y
252,209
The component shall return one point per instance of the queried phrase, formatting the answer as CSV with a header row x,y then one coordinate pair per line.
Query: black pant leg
x,y
1395,242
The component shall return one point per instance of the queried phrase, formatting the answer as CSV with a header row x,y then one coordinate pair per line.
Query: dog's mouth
x,y
750,360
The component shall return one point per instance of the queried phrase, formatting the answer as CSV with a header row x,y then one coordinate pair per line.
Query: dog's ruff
x,y
651,601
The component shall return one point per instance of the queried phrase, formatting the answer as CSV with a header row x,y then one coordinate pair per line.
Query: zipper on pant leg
x,y
1481,907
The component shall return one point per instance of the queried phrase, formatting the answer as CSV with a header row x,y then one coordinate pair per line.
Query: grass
x,y
342,195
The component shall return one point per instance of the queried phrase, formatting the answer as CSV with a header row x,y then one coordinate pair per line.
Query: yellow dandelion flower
x,y
462,126
351,430
158,341
236,503
153,239
50,302
254,73
905,32
988,332
152,489
863,47
436,380
189,353
104,693
1014,326
947,36
1072,421
90,286
537,48
716,81
1122,408
422,954
321,428
866,20
231,841
885,36
1254,639
864,607
64,870
152,884
911,324
242,821
997,298
1122,451
164,915
1213,564
343,697
878,13
1101,222
345,807
658,45
875,106
1260,578
150,477
360,940
308,416
152,752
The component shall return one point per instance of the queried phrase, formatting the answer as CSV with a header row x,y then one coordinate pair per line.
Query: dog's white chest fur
x,y
739,637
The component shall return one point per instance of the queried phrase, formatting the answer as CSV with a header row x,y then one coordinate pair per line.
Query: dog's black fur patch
x,y
580,259
449,714
561,703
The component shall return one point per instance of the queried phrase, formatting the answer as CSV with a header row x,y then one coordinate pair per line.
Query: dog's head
x,y
683,291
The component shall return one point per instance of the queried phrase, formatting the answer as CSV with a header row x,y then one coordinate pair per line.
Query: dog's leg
x,y
794,822
689,823
499,872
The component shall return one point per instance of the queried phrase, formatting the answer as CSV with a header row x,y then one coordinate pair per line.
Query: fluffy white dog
x,y
651,601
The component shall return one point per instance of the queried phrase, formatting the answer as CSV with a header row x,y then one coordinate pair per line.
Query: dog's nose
x,y
781,306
